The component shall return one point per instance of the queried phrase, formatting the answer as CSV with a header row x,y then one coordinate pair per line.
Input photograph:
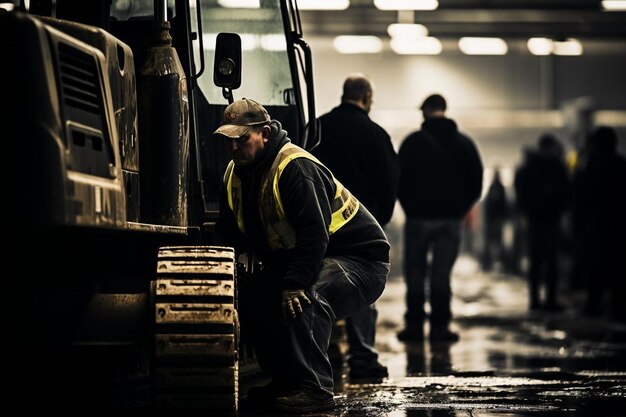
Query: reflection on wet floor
x,y
507,362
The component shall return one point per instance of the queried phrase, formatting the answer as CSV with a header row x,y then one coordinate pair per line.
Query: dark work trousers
x,y
607,274
543,239
443,237
361,332
294,352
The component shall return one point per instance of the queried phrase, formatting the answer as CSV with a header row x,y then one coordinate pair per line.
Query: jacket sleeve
x,y
474,175
520,189
410,189
306,192
385,176
226,229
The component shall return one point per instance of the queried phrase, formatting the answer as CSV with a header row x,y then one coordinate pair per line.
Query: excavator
x,y
116,297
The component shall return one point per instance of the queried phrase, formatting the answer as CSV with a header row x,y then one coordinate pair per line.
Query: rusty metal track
x,y
195,330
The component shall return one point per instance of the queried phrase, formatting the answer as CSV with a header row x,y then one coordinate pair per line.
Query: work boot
x,y
442,334
305,400
411,333
374,372
264,395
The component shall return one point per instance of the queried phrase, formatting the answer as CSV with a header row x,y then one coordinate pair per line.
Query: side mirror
x,y
227,65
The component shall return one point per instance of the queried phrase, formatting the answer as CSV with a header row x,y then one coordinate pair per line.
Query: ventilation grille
x,y
79,79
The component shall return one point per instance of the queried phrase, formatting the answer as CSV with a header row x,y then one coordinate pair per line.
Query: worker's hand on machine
x,y
293,301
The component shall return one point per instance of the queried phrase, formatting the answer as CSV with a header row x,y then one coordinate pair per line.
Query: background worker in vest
x,y
360,154
325,257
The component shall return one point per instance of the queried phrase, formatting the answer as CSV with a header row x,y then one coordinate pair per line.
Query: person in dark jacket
x,y
440,180
495,212
324,255
360,154
543,191
601,219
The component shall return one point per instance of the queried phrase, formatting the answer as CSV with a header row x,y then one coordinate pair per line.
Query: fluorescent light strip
x,y
545,46
420,46
483,46
570,47
406,4
323,4
240,4
540,46
407,30
358,44
614,5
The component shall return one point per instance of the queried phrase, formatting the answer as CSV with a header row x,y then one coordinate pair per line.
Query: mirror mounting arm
x,y
228,94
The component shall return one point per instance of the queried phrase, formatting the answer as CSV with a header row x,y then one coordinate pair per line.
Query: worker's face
x,y
247,149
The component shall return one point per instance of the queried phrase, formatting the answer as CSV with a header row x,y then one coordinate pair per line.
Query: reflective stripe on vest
x,y
233,191
279,231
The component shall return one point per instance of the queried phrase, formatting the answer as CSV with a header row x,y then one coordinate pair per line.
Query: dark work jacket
x,y
441,172
307,190
542,187
600,207
495,202
360,155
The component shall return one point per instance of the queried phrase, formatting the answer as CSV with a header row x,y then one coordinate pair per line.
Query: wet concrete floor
x,y
507,362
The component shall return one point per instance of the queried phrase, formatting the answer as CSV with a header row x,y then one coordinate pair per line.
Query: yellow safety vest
x,y
280,233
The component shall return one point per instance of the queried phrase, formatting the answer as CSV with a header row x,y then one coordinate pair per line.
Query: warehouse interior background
x,y
558,66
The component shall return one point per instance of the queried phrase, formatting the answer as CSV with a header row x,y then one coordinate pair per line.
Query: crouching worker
x,y
325,257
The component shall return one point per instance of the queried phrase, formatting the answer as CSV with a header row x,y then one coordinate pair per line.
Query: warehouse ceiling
x,y
508,19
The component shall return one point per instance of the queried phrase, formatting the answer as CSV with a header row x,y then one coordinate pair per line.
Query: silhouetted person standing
x,y
601,217
440,180
543,191
360,154
495,211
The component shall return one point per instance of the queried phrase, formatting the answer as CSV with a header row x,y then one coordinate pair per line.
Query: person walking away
x,y
495,212
324,255
543,192
601,219
440,180
360,154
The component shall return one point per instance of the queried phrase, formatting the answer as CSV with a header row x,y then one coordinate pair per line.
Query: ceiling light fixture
x,y
240,4
406,4
358,44
407,30
569,47
420,46
540,46
323,4
614,5
483,46
545,46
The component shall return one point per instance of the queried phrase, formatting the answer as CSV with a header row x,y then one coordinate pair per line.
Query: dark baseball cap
x,y
434,102
240,116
